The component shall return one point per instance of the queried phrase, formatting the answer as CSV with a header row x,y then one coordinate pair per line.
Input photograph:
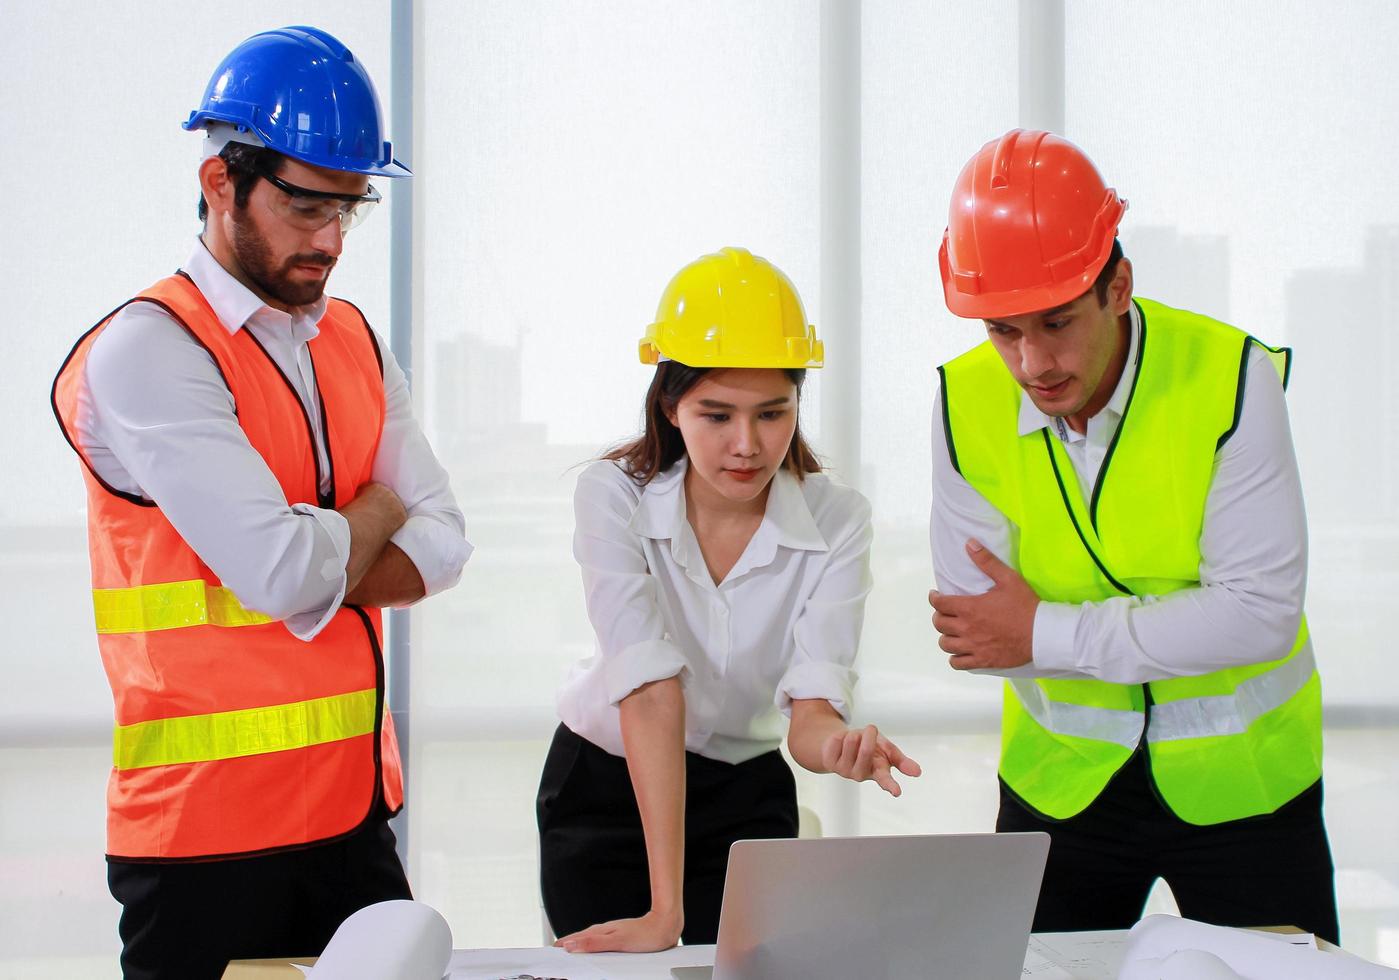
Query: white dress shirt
x,y
156,419
1253,550
784,623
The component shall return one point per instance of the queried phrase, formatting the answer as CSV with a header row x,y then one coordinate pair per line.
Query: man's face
x,y
286,263
1063,357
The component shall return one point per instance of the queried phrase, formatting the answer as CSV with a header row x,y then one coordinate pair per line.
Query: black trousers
x,y
185,921
592,853
1261,871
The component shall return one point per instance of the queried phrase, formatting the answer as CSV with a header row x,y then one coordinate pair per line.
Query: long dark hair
x,y
660,444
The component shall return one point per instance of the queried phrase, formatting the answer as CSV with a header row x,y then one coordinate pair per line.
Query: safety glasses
x,y
311,210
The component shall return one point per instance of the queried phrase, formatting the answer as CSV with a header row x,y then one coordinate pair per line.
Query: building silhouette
x,y
1344,402
1186,271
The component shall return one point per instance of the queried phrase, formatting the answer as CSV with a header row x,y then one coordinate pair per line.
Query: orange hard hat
x,y
1030,227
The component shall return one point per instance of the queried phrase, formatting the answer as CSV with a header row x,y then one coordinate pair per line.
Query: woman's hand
x,y
863,753
649,933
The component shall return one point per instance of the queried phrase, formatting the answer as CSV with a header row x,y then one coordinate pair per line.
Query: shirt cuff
x,y
640,664
436,551
306,624
1052,643
818,680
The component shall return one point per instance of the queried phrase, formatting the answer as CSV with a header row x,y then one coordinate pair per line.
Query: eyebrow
x,y
770,403
1066,307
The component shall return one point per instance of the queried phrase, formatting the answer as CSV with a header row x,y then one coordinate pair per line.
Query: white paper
x,y
1042,969
1076,955
398,940
493,964
1187,964
1249,955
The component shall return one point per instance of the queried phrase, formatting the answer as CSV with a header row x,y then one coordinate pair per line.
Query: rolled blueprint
x,y
398,940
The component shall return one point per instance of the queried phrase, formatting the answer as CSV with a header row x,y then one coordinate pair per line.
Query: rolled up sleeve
x,y
304,625
436,550
619,591
640,664
827,631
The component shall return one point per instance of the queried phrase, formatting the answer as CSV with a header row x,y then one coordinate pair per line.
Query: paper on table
x,y
1042,969
1077,955
1250,955
493,964
1187,964
398,940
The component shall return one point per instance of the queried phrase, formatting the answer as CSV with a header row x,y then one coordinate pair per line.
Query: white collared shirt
x,y
785,622
156,419
1253,550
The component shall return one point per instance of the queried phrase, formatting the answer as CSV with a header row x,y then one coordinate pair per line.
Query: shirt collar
x,y
787,521
1032,419
235,304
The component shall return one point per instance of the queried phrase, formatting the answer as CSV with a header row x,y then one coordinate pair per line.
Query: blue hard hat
x,y
302,93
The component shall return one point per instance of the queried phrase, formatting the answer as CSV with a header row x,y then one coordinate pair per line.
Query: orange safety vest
x,y
234,738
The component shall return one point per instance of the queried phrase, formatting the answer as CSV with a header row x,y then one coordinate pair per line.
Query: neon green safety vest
x,y
1222,746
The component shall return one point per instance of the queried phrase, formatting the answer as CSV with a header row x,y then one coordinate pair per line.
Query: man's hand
x,y
374,515
649,933
994,629
863,753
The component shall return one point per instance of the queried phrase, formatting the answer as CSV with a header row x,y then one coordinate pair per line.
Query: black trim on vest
x,y
947,422
325,500
380,696
131,498
170,312
373,338
1064,493
1249,341
310,429
1121,423
1033,810
1238,395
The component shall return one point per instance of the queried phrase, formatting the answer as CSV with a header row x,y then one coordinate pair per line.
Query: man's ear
x,y
1120,289
216,184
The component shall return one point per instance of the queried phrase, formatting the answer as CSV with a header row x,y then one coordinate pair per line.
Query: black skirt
x,y
592,852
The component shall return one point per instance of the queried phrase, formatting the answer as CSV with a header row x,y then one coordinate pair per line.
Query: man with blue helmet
x,y
258,491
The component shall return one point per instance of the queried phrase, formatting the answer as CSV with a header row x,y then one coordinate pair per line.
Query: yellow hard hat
x,y
732,309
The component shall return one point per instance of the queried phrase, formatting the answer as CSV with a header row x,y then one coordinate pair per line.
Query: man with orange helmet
x,y
1118,530
257,490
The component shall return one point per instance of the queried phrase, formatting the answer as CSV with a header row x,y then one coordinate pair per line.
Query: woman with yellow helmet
x,y
725,577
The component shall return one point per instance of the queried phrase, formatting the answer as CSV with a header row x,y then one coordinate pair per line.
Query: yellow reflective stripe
x,y
168,606
251,731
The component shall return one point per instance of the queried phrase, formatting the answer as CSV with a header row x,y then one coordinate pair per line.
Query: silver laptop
x,y
957,906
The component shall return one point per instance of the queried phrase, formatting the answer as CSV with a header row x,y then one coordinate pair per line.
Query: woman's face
x,y
737,424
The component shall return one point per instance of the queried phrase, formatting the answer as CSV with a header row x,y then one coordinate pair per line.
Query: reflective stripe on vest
x,y
1079,720
170,605
1231,714
253,731
1205,717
